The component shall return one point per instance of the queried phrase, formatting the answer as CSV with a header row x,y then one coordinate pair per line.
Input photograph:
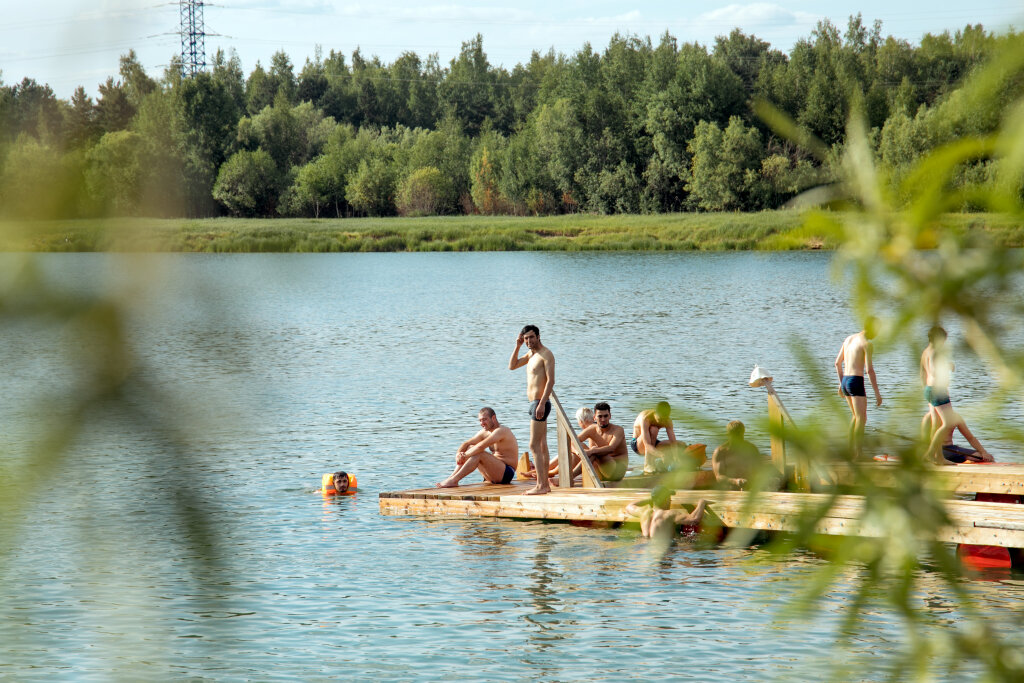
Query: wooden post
x,y
777,442
777,415
564,461
565,430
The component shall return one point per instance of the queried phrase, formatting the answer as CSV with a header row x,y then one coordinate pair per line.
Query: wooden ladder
x,y
566,438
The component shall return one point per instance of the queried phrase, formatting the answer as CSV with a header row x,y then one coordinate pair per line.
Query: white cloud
x,y
756,14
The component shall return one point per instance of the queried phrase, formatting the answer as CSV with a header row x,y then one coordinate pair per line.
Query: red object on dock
x,y
987,556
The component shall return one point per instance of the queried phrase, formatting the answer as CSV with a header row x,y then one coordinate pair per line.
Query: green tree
x,y
423,192
259,91
38,181
371,189
466,93
248,184
80,125
137,84
114,110
115,176
721,177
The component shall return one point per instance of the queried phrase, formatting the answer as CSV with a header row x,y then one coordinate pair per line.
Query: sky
x,y
67,43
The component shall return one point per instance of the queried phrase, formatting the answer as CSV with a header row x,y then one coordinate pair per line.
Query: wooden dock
x,y
973,522
978,523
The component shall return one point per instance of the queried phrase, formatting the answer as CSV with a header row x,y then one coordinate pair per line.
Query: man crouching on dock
x,y
493,450
540,380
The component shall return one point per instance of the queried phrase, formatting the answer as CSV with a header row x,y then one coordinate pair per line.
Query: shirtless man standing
x,y
609,453
646,427
854,357
540,380
493,451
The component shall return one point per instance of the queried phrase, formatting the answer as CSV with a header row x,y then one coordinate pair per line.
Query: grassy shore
x,y
769,230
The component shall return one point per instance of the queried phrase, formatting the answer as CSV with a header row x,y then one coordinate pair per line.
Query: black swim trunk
x,y
633,445
853,385
510,474
958,454
533,410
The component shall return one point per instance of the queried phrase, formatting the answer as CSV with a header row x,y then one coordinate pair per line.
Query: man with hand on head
x,y
540,380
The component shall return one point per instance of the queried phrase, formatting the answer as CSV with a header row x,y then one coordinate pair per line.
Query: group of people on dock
x,y
937,425
494,450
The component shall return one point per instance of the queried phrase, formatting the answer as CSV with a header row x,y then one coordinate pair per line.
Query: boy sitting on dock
x,y
646,427
656,517
493,450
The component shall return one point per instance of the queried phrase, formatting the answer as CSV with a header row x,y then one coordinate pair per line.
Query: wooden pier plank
x,y
974,522
1007,478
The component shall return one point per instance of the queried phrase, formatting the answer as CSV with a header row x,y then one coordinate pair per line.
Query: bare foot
x,y
446,484
537,490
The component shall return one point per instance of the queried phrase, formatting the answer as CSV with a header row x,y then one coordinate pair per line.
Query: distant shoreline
x,y
761,231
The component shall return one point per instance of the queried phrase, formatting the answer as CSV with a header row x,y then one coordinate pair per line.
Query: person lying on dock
x,y
952,453
853,360
645,442
737,461
608,445
656,517
493,450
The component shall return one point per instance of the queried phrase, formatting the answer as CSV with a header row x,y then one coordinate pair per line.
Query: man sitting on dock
x,y
853,360
737,461
493,450
656,517
646,427
608,454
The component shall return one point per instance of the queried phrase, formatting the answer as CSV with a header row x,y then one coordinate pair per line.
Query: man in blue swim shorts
x,y
540,380
941,420
493,451
853,360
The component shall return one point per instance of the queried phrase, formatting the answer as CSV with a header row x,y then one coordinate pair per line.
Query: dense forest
x,y
639,127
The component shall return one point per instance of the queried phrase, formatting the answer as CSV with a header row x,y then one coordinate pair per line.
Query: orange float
x,y
338,484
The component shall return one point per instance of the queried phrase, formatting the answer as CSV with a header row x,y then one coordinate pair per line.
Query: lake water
x,y
288,366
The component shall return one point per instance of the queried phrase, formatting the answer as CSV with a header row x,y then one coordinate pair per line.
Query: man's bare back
x,y
855,352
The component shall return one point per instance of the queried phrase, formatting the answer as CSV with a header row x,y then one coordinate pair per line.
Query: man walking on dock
x,y
540,380
853,359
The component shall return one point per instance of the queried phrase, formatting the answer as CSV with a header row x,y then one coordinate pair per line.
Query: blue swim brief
x,y
533,410
853,385
633,445
936,397
510,474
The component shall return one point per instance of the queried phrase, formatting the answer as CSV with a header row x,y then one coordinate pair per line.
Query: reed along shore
x,y
768,230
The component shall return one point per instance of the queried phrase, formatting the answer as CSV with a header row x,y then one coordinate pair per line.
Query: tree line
x,y
639,127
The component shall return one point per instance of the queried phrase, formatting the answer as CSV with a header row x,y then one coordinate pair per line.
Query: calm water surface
x,y
288,366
